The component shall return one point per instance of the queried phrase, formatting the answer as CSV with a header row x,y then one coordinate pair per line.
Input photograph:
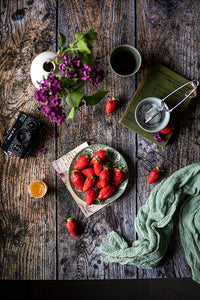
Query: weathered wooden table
x,y
34,242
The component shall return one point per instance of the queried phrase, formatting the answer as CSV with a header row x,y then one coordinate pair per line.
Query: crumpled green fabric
x,y
154,224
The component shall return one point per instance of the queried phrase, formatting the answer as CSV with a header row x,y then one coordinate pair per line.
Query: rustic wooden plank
x,y
79,258
167,33
27,226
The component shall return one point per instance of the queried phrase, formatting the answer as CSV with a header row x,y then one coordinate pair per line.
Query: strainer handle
x,y
189,82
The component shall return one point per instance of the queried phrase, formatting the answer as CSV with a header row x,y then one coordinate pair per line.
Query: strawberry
x,y
104,177
98,183
118,176
154,175
72,226
111,105
91,195
106,192
83,161
98,166
102,154
168,129
88,171
88,183
77,179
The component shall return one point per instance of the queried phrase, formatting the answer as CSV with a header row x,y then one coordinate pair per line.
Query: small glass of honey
x,y
37,188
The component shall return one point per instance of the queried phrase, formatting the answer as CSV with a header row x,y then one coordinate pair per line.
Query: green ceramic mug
x,y
125,60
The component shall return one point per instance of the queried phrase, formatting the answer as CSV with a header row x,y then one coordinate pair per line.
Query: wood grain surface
x,y
34,242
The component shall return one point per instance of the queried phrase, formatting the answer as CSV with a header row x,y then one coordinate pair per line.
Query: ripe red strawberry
x,y
88,183
91,195
102,154
154,175
82,162
106,192
72,226
98,166
88,171
118,176
168,129
104,177
111,105
98,183
77,179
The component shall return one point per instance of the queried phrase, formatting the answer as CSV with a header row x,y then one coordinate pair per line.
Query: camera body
x,y
21,136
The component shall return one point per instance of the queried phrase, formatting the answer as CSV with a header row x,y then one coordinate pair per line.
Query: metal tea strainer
x,y
152,114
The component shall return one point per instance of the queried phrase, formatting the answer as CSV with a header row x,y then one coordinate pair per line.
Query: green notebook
x,y
159,82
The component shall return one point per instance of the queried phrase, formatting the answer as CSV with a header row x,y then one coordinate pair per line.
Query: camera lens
x,y
17,148
32,125
23,136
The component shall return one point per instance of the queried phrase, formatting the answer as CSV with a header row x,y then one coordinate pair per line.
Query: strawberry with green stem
x,y
77,179
98,166
102,154
118,176
111,105
72,226
82,162
91,195
154,175
104,176
89,183
106,192
88,171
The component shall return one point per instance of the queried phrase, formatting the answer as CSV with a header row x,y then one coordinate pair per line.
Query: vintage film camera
x,y
21,136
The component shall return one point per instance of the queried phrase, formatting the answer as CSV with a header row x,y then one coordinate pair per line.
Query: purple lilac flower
x,y
94,74
74,68
48,96
158,138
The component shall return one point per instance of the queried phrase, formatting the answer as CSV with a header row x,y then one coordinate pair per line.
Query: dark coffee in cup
x,y
125,60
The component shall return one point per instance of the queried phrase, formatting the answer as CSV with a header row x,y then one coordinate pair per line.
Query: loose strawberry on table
x,y
72,226
154,175
82,162
77,179
111,105
168,129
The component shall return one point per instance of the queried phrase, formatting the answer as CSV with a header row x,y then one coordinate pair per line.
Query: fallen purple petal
x,y
59,175
43,150
54,135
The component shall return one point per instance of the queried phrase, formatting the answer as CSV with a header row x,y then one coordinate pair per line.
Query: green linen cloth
x,y
154,224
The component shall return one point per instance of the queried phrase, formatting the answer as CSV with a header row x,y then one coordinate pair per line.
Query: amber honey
x,y
38,188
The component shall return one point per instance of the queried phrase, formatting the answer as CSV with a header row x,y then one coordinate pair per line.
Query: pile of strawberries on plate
x,y
95,177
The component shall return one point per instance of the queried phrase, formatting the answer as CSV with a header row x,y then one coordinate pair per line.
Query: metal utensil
x,y
154,111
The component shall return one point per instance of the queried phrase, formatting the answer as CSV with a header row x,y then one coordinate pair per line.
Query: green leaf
x,y
71,114
66,82
86,58
79,88
63,39
90,35
82,47
96,98
73,99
